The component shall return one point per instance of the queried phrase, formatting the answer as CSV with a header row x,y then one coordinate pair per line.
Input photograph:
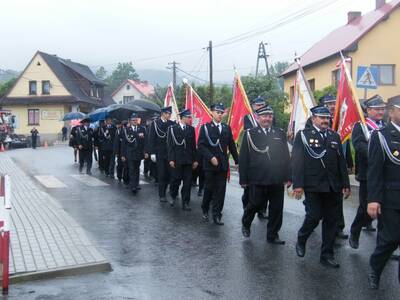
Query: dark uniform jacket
x,y
349,157
360,145
328,174
118,139
132,143
107,135
268,168
85,137
219,147
184,154
158,138
383,174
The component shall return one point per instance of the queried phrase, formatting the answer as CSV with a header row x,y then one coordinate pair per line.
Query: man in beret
x,y
319,172
215,139
384,197
375,108
182,157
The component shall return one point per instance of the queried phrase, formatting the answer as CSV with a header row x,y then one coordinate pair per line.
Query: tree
x,y
123,72
268,88
318,94
5,86
101,73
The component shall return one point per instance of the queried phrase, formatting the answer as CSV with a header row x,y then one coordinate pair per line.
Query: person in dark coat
x,y
98,143
106,144
73,141
384,197
158,150
116,155
215,139
85,141
320,172
64,131
125,171
251,121
264,170
329,101
182,157
375,108
34,135
133,150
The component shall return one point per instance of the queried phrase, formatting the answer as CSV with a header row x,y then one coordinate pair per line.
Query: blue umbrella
x,y
75,115
98,114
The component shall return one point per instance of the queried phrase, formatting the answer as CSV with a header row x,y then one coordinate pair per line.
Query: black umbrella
x,y
123,111
147,106
75,115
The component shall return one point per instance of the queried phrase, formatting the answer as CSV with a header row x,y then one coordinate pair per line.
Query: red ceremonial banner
x,y
200,112
346,112
239,108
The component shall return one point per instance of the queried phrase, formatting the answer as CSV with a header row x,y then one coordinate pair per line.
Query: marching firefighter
x,y
215,139
107,134
182,157
85,140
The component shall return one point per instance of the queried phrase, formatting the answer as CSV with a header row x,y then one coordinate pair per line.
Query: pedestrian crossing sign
x,y
367,77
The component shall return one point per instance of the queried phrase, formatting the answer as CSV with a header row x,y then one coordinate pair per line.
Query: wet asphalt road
x,y
159,252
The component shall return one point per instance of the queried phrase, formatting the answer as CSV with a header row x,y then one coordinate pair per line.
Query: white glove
x,y
153,158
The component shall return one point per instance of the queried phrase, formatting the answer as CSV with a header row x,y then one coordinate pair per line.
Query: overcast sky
x,y
106,32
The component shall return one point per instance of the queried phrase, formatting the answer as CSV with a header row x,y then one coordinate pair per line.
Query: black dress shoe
x,y
89,173
134,191
205,216
342,235
354,241
300,249
163,199
329,262
373,280
262,215
395,257
369,228
245,232
276,241
217,221
172,201
186,207
199,193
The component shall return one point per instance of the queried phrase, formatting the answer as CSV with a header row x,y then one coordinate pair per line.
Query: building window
x,y
385,74
32,88
127,99
33,117
335,77
311,84
128,87
45,87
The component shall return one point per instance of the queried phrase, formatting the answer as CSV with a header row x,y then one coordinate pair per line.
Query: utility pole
x,y
262,54
173,68
209,48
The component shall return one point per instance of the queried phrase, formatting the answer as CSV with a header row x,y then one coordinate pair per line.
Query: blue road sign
x,y
367,77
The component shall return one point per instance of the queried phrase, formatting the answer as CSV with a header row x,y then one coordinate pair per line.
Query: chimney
x,y
352,15
379,3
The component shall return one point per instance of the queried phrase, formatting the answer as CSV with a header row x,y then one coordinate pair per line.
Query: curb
x,y
61,272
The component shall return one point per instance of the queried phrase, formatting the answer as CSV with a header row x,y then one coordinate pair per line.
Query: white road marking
x,y
50,181
89,180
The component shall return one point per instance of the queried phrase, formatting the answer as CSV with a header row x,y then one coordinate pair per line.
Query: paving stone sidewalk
x,y
45,241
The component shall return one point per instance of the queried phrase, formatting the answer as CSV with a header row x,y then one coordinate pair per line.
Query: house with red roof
x,y
372,39
131,90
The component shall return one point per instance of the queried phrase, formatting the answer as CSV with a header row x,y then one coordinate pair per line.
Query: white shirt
x,y
320,131
134,127
183,126
266,130
396,126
